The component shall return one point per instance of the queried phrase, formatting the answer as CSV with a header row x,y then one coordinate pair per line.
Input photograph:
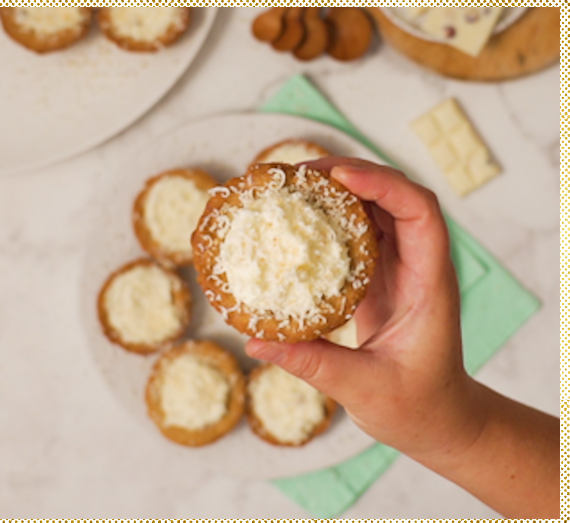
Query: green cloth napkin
x,y
494,307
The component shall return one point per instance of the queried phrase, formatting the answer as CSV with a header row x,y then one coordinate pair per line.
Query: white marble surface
x,y
67,448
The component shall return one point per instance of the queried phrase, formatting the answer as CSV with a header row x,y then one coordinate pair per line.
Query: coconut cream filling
x,y
172,210
194,394
140,307
288,408
281,254
145,24
49,20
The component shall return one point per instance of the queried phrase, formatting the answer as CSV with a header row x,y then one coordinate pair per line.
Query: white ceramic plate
x,y
509,17
223,146
57,105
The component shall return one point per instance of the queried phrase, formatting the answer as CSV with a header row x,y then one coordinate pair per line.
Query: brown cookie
x,y
144,29
292,151
144,307
167,211
284,253
285,411
199,401
46,29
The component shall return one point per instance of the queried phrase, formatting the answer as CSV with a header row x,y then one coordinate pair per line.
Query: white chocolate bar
x,y
456,147
465,28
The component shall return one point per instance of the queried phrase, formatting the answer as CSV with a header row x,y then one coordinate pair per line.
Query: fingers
x,y
420,232
327,367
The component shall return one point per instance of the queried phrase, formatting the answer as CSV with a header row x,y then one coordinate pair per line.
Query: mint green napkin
x,y
494,307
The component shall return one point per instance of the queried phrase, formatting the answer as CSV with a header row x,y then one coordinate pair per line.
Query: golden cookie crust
x,y
169,259
222,360
312,146
171,36
181,298
44,43
332,198
259,430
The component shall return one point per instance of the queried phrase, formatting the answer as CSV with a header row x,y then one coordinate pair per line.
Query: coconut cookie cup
x,y
143,307
284,410
144,29
167,211
284,253
46,29
196,393
292,152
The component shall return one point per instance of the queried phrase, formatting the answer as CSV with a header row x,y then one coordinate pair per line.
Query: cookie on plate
x,y
144,29
196,393
45,29
144,307
284,410
284,253
292,152
167,212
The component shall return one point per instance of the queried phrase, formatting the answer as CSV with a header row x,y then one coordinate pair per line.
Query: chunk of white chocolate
x,y
465,28
456,147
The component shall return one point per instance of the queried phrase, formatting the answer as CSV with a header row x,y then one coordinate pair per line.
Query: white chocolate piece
x,y
465,28
456,147
288,408
345,336
194,394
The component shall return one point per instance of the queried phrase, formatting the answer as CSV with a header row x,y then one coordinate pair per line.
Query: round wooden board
x,y
530,45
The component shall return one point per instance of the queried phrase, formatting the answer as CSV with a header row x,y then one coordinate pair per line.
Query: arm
x,y
407,386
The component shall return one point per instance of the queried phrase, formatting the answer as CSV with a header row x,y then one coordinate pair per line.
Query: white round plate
x,y
223,146
57,105
509,17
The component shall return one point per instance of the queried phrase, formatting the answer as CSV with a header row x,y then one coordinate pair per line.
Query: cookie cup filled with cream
x,y
284,410
284,253
144,307
167,211
144,29
196,393
46,29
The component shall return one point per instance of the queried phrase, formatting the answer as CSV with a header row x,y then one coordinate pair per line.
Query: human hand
x,y
406,385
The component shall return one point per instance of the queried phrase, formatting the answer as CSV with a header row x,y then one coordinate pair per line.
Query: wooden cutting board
x,y
531,44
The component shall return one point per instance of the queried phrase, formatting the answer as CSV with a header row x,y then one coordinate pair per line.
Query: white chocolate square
x,y
456,147
465,28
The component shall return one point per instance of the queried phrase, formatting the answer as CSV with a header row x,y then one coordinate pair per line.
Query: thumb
x,y
331,369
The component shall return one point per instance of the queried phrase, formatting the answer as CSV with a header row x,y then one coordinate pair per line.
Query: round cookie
x,y
196,393
167,211
284,253
144,29
143,307
292,152
46,29
284,410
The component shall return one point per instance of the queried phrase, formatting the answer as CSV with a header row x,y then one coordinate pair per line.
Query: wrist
x,y
459,428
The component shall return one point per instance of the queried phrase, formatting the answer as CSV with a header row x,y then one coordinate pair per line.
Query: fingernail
x,y
264,351
339,174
